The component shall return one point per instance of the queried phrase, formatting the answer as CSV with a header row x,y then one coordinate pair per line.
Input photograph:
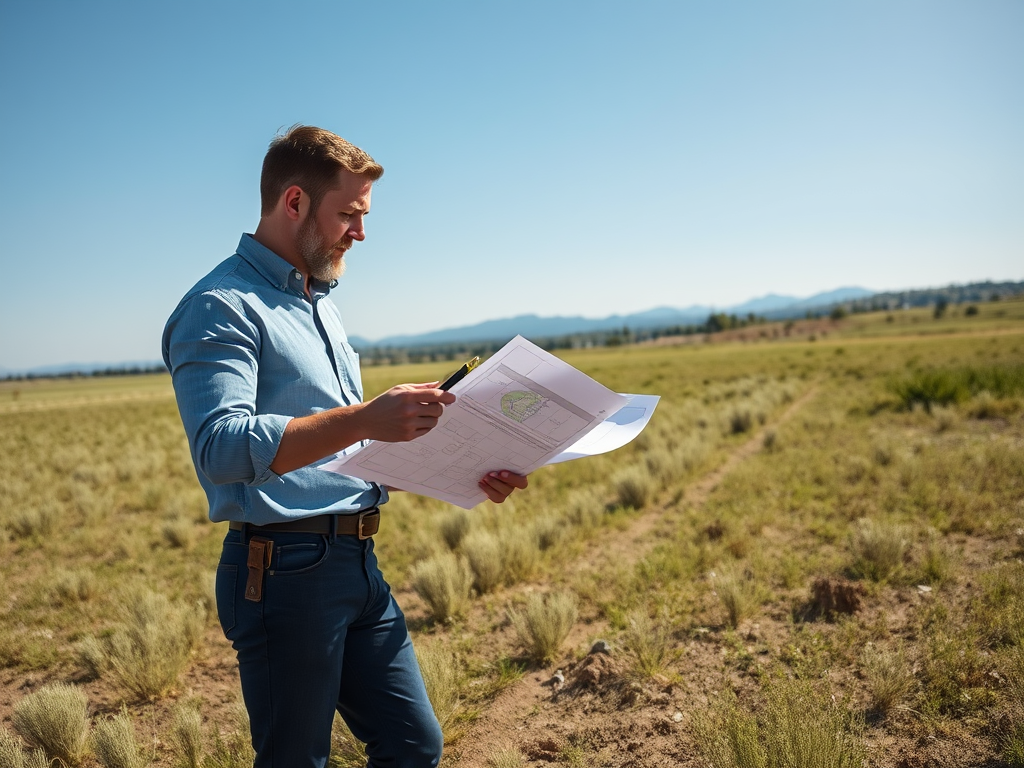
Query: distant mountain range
x,y
534,326
771,306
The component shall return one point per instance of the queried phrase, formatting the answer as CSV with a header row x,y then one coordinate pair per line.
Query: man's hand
x,y
405,412
499,485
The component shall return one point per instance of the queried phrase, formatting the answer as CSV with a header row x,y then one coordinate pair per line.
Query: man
x,y
267,387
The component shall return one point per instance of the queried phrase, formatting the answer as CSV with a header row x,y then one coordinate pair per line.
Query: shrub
x,y
115,745
56,719
634,487
888,675
878,549
740,421
454,528
648,642
484,555
151,648
545,623
440,670
443,582
186,736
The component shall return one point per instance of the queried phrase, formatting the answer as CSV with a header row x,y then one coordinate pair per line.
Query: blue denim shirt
x,y
248,351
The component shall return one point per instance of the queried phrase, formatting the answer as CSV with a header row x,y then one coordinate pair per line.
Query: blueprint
x,y
518,410
615,431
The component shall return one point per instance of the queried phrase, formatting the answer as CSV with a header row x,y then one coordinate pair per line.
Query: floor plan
x,y
517,410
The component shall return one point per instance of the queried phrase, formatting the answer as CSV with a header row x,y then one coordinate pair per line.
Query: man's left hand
x,y
499,485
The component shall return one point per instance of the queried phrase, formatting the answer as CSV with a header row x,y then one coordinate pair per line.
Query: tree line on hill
x,y
939,298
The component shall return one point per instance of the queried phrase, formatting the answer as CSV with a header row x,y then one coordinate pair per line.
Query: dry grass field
x,y
811,557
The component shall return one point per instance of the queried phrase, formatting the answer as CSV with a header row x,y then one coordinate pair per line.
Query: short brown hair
x,y
310,158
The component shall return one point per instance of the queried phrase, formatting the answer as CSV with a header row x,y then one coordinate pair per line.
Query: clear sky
x,y
548,157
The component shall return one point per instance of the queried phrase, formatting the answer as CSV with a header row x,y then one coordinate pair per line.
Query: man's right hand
x,y
405,412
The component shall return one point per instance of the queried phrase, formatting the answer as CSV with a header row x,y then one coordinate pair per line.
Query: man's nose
x,y
356,230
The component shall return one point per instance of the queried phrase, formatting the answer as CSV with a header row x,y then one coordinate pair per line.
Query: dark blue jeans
x,y
326,636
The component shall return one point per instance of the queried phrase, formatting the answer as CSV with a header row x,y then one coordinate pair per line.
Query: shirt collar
x,y
277,271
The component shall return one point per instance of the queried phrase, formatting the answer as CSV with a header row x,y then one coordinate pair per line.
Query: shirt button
x,y
296,275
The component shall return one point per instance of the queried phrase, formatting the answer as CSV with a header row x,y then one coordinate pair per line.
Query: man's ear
x,y
296,202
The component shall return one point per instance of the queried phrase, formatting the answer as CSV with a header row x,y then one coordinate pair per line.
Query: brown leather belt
x,y
362,524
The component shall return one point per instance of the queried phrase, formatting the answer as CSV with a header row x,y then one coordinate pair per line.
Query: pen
x,y
460,374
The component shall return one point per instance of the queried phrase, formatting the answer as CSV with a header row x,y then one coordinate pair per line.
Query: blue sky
x,y
546,157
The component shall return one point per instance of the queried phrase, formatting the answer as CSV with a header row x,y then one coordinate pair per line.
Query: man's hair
x,y
310,158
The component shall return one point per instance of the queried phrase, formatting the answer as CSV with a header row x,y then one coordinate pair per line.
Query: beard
x,y
319,257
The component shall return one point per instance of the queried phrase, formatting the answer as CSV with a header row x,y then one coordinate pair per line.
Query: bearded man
x,y
268,387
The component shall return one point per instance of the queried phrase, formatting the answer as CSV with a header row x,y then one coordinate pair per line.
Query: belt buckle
x,y
359,525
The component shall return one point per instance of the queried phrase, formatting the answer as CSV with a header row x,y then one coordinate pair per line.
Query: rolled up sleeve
x,y
212,350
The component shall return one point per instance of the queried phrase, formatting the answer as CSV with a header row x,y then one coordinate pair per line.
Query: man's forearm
x,y
402,413
310,438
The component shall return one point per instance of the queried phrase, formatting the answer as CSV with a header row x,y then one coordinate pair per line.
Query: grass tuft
x,y
235,749
187,736
346,750
11,753
151,648
648,642
454,528
739,595
483,552
73,586
889,677
56,719
115,744
443,582
520,553
441,675
727,736
506,757
878,549
946,386
798,726
179,533
545,623
634,487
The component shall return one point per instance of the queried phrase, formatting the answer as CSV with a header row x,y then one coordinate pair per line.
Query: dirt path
x,y
531,716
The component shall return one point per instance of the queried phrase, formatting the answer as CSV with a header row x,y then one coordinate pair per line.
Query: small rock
x,y
677,717
557,679
601,646
923,588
